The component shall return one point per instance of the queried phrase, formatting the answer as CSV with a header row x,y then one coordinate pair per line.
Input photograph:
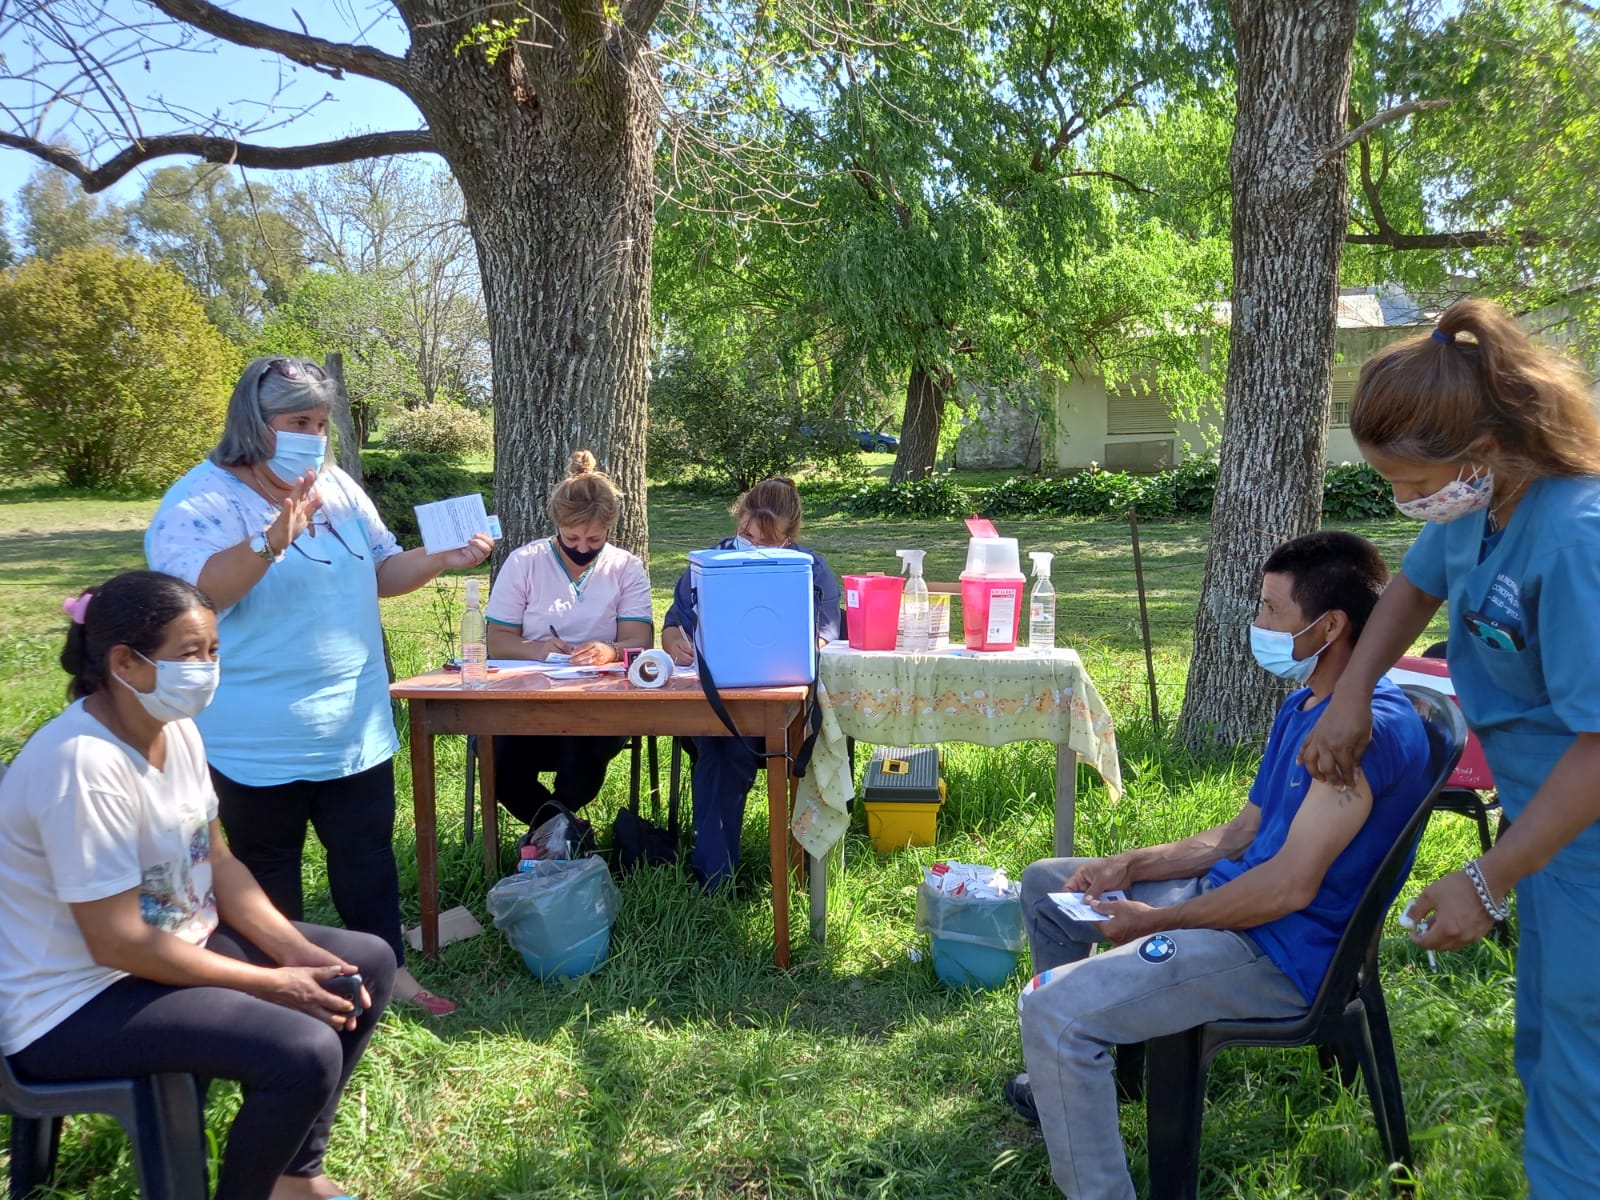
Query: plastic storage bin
x,y
558,915
872,607
976,941
755,616
903,794
991,594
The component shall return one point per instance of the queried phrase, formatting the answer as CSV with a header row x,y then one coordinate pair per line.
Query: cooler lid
x,y
766,556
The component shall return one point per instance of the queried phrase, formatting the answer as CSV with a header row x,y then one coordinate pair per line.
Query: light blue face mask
x,y
743,543
297,453
1274,650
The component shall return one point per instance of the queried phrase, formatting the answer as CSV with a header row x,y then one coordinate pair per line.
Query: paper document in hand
x,y
1076,904
447,524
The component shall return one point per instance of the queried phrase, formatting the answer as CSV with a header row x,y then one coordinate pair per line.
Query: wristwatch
x,y
261,548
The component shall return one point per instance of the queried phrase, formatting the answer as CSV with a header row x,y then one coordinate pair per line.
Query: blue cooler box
x,y
755,616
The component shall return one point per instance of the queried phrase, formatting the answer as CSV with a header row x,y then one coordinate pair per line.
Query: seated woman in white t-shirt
x,y
575,594
132,942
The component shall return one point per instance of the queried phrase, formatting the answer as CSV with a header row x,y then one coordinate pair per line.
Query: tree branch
x,y
1112,175
297,47
1471,239
639,15
1387,117
224,150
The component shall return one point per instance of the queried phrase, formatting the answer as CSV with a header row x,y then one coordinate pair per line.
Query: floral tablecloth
x,y
892,699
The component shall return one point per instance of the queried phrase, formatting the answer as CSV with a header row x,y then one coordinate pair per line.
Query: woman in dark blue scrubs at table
x,y
1496,444
768,514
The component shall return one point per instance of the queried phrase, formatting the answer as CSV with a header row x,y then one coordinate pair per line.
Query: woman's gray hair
x,y
261,394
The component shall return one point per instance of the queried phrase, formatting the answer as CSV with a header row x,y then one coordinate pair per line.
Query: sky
x,y
219,78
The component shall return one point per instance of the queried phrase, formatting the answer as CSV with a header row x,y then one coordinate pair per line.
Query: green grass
x,y
691,1067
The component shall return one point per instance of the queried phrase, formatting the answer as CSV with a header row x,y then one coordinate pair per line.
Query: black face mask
x,y
580,557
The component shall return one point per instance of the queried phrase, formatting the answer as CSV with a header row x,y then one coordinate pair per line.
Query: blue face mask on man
x,y
295,454
1274,651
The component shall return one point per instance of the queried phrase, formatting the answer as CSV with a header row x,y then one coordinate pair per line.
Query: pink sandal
x,y
436,1006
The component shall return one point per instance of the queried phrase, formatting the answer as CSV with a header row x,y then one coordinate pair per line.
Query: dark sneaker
x,y
1019,1094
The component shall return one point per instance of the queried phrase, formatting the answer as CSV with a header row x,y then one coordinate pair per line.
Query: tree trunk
x,y
918,454
1290,210
557,175
350,442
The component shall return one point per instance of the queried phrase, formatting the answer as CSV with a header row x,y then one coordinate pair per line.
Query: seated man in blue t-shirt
x,y
1238,921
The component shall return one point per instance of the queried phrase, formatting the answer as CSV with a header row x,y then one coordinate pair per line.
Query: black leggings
x,y
293,1066
579,764
354,818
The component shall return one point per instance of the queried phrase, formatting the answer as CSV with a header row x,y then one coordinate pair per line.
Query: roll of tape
x,y
652,669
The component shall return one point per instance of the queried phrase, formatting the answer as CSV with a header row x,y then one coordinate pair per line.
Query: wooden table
x,y
533,703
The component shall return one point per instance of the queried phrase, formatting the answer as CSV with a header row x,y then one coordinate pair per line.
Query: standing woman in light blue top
x,y
1495,443
295,557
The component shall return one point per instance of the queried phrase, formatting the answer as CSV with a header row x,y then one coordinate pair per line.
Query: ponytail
x,y
1427,399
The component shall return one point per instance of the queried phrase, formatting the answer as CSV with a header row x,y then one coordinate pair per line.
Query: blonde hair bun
x,y
581,463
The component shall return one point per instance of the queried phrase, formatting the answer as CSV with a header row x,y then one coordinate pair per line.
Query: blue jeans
x,y
724,770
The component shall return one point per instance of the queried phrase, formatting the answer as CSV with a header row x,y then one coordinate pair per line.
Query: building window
x,y
1134,408
1344,391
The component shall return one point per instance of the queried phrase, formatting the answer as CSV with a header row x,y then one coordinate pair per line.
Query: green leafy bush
x,y
1355,492
733,417
937,495
442,428
1018,496
398,481
110,374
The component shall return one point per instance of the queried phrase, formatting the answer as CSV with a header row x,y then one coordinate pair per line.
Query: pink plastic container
x,y
991,607
872,608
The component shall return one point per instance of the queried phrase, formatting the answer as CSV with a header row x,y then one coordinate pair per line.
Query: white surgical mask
x,y
297,453
1274,650
740,542
183,689
1462,495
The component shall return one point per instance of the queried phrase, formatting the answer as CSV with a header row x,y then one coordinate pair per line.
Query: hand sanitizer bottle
x,y
914,616
1042,606
474,649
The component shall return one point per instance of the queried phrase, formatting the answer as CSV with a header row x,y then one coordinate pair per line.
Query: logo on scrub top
x,y
1158,949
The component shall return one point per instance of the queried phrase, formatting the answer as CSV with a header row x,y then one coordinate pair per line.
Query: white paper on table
x,y
518,664
588,672
448,524
1077,907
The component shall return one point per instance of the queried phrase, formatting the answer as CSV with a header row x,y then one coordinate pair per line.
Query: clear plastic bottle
x,y
1042,605
474,648
915,620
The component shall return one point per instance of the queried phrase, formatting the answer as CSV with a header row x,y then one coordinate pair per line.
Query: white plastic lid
x,y
1041,561
992,556
472,593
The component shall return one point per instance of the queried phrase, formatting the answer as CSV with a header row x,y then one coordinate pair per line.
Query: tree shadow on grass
x,y
73,558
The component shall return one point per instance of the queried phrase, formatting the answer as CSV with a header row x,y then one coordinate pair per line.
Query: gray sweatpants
x,y
1146,988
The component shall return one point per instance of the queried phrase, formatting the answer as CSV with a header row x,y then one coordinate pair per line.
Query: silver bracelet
x,y
1498,912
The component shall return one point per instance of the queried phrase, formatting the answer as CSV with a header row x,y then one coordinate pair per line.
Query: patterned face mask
x,y
1462,495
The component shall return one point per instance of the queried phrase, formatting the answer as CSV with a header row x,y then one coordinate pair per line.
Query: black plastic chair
x,y
1347,1020
163,1115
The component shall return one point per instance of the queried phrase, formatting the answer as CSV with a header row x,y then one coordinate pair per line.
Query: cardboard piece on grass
x,y
455,925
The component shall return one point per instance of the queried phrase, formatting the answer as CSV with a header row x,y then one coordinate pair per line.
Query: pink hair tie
x,y
77,609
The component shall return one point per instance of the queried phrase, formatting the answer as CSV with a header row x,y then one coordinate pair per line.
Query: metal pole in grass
x,y
1144,620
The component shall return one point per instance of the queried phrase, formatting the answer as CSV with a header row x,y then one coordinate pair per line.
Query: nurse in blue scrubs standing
x,y
1495,443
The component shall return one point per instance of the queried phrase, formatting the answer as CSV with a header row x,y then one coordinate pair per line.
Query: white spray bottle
x,y
1042,606
914,616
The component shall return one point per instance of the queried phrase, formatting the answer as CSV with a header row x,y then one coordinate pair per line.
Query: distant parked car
x,y
885,442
